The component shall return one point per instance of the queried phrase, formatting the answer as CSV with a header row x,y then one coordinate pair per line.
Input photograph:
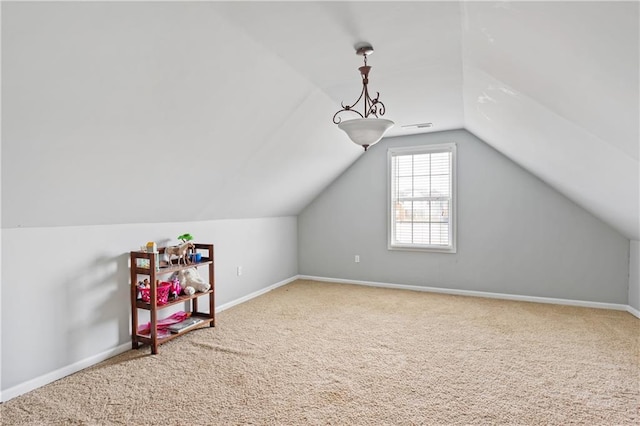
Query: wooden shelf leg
x,y
134,309
212,295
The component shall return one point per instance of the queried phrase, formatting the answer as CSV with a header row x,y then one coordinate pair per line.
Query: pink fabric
x,y
164,323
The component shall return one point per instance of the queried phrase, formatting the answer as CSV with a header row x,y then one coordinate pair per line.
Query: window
x,y
422,198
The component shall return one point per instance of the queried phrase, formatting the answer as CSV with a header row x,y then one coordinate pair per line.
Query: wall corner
x,y
634,274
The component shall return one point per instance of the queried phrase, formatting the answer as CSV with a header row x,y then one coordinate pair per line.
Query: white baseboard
x,y
536,299
633,311
255,294
45,379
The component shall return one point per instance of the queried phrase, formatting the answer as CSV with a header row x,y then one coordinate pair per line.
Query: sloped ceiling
x,y
157,112
554,86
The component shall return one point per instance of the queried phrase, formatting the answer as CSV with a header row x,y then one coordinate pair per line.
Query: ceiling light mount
x,y
369,128
363,49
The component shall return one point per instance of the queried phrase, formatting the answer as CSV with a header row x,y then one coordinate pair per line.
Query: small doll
x,y
142,285
176,288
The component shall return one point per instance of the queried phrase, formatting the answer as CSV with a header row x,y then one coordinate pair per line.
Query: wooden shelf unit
x,y
156,337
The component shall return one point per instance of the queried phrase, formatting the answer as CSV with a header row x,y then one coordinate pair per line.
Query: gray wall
x,y
634,275
516,235
65,290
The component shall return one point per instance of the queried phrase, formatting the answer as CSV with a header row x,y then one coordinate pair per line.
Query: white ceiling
x,y
223,109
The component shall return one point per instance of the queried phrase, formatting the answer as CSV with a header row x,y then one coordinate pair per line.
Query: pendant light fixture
x,y
368,129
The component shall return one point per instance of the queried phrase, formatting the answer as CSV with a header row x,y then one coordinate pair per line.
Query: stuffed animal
x,y
189,291
191,281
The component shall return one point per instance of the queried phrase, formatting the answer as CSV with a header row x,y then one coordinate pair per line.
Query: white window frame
x,y
413,150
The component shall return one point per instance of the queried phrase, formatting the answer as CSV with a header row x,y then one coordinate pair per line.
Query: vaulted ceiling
x,y
157,112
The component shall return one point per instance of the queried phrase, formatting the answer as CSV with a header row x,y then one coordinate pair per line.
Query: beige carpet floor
x,y
318,353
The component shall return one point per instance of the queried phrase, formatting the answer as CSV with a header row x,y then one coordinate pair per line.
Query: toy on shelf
x,y
182,251
191,281
142,286
185,237
162,293
176,288
150,247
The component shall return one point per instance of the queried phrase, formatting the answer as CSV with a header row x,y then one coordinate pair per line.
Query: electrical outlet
x,y
239,270
357,258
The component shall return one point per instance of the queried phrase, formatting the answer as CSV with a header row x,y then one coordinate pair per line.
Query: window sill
x,y
448,250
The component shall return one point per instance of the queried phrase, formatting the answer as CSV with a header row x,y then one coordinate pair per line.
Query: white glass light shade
x,y
366,131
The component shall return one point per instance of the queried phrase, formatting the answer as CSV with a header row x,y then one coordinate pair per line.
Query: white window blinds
x,y
422,197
